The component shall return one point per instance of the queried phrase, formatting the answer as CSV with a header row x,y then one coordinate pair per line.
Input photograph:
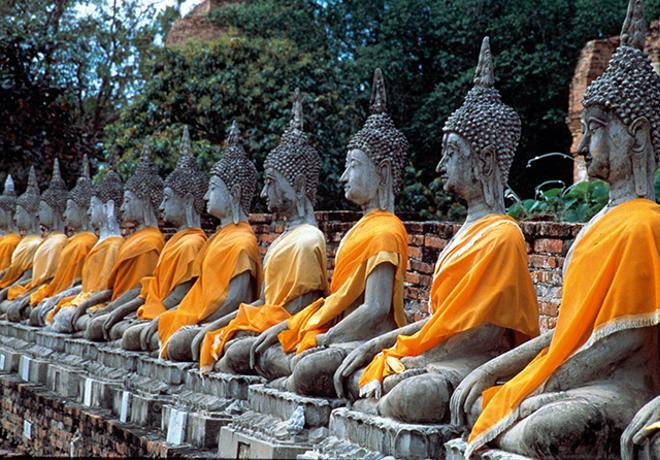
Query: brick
x,y
549,246
434,242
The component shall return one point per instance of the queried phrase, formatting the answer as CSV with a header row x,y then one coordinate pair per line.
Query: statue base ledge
x,y
455,450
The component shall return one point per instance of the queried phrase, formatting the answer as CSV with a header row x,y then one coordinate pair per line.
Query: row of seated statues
x,y
478,361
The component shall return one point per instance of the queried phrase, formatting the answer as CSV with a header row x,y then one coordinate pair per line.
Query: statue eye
x,y
594,125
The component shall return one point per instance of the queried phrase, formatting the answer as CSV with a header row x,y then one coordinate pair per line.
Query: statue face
x,y
218,198
455,166
96,212
360,178
606,145
5,219
278,192
173,207
73,215
46,215
22,218
132,208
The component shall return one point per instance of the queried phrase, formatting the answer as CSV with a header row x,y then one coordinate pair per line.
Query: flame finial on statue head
x,y
187,177
297,111
378,102
633,32
9,186
56,194
29,200
234,137
8,197
82,192
485,74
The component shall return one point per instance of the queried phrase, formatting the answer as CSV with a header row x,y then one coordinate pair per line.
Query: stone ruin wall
x,y
195,25
547,245
592,63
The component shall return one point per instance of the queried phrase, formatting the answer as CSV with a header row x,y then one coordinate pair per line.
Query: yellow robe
x,y
379,237
8,243
69,270
44,265
612,283
95,273
175,266
296,264
21,259
231,251
482,277
137,258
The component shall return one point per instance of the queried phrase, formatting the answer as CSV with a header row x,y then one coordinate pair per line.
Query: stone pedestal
x,y
455,450
277,424
357,435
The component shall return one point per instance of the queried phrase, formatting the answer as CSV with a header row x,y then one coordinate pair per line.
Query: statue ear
x,y
640,129
386,189
488,161
235,193
299,188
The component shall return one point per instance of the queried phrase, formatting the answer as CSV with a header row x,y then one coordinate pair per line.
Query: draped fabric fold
x,y
295,265
8,244
231,251
69,270
137,258
378,237
95,273
481,277
21,259
44,264
612,283
175,266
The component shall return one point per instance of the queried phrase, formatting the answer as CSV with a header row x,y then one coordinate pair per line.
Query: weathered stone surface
x,y
455,450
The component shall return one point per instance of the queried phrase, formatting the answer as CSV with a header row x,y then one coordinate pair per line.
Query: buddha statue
x,y
641,439
47,256
139,252
9,236
302,353
229,263
183,202
104,203
26,218
295,265
572,391
478,310
78,246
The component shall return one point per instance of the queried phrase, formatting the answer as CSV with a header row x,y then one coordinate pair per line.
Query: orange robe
x,y
95,273
69,271
137,258
231,251
8,243
175,266
482,277
612,283
379,237
295,265
21,259
44,265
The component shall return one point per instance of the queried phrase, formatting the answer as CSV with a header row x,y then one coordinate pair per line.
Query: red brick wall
x,y
547,244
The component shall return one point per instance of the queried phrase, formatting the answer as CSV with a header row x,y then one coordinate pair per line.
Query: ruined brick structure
x,y
592,62
196,24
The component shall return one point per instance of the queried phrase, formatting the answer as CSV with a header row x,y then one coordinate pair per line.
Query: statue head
x,y
53,201
292,169
27,205
143,192
621,118
8,205
376,155
480,140
107,198
183,197
76,212
233,181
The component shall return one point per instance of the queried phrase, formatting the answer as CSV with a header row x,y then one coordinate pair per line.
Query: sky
x,y
186,6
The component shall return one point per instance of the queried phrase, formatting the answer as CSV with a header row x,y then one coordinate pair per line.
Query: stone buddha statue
x,y
183,202
26,218
139,252
104,203
9,236
641,439
295,272
366,291
229,264
477,312
572,391
79,244
47,257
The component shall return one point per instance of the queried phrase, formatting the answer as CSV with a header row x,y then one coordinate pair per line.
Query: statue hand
x,y
467,393
110,321
146,333
635,433
530,405
196,344
80,310
356,359
265,340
